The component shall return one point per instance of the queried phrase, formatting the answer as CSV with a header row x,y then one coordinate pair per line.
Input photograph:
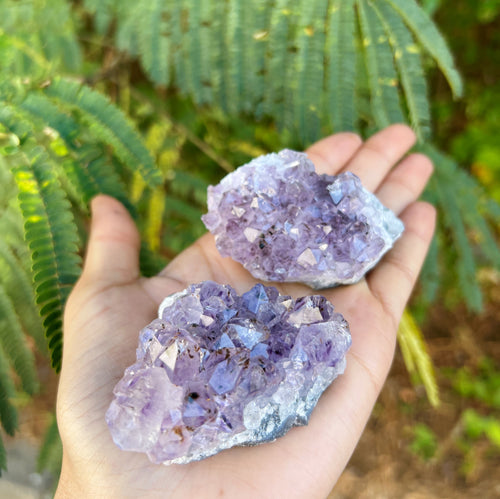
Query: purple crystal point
x,y
217,370
284,222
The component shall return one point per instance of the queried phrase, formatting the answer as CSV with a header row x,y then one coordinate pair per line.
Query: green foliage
x,y
479,424
477,144
29,47
283,60
340,75
408,63
427,34
50,455
424,443
476,426
107,122
83,125
465,211
8,413
484,386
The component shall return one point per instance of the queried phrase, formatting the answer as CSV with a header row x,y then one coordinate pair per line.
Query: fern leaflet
x,y
109,123
15,347
341,65
426,32
382,76
154,41
20,291
8,413
50,455
52,239
309,67
407,57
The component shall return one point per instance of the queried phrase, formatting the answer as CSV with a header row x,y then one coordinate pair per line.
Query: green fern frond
x,y
102,10
341,65
22,48
416,356
409,64
217,56
52,238
14,345
257,40
47,113
8,413
177,28
235,55
11,228
466,264
309,68
430,276
86,167
292,61
50,454
195,55
470,194
108,123
41,46
277,60
426,32
465,210
382,77
127,37
19,288
94,174
154,41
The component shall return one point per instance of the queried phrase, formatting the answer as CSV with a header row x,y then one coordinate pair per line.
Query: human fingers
x,y
405,183
114,244
331,153
392,281
380,153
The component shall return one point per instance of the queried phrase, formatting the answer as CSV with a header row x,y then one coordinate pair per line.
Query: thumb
x,y
114,244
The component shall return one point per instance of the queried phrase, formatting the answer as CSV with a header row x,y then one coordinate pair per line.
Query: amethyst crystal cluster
x,y
284,222
217,370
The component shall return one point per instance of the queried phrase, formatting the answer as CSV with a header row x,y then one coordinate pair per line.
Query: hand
x,y
112,302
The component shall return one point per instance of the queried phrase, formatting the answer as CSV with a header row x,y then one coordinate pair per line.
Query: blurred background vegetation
x,y
151,101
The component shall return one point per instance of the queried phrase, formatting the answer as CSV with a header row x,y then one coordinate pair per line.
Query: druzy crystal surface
x,y
284,222
217,369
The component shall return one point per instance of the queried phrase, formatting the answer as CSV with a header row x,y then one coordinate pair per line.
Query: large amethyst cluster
x,y
217,369
284,222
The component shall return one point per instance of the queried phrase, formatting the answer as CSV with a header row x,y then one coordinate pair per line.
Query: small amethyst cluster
x,y
284,222
217,369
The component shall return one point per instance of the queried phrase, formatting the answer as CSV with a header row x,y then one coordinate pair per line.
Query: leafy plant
x,y
479,424
424,443
483,386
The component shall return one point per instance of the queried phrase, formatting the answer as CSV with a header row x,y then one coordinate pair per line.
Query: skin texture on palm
x,y
112,302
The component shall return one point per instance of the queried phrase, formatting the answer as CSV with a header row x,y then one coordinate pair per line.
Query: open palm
x,y
112,302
